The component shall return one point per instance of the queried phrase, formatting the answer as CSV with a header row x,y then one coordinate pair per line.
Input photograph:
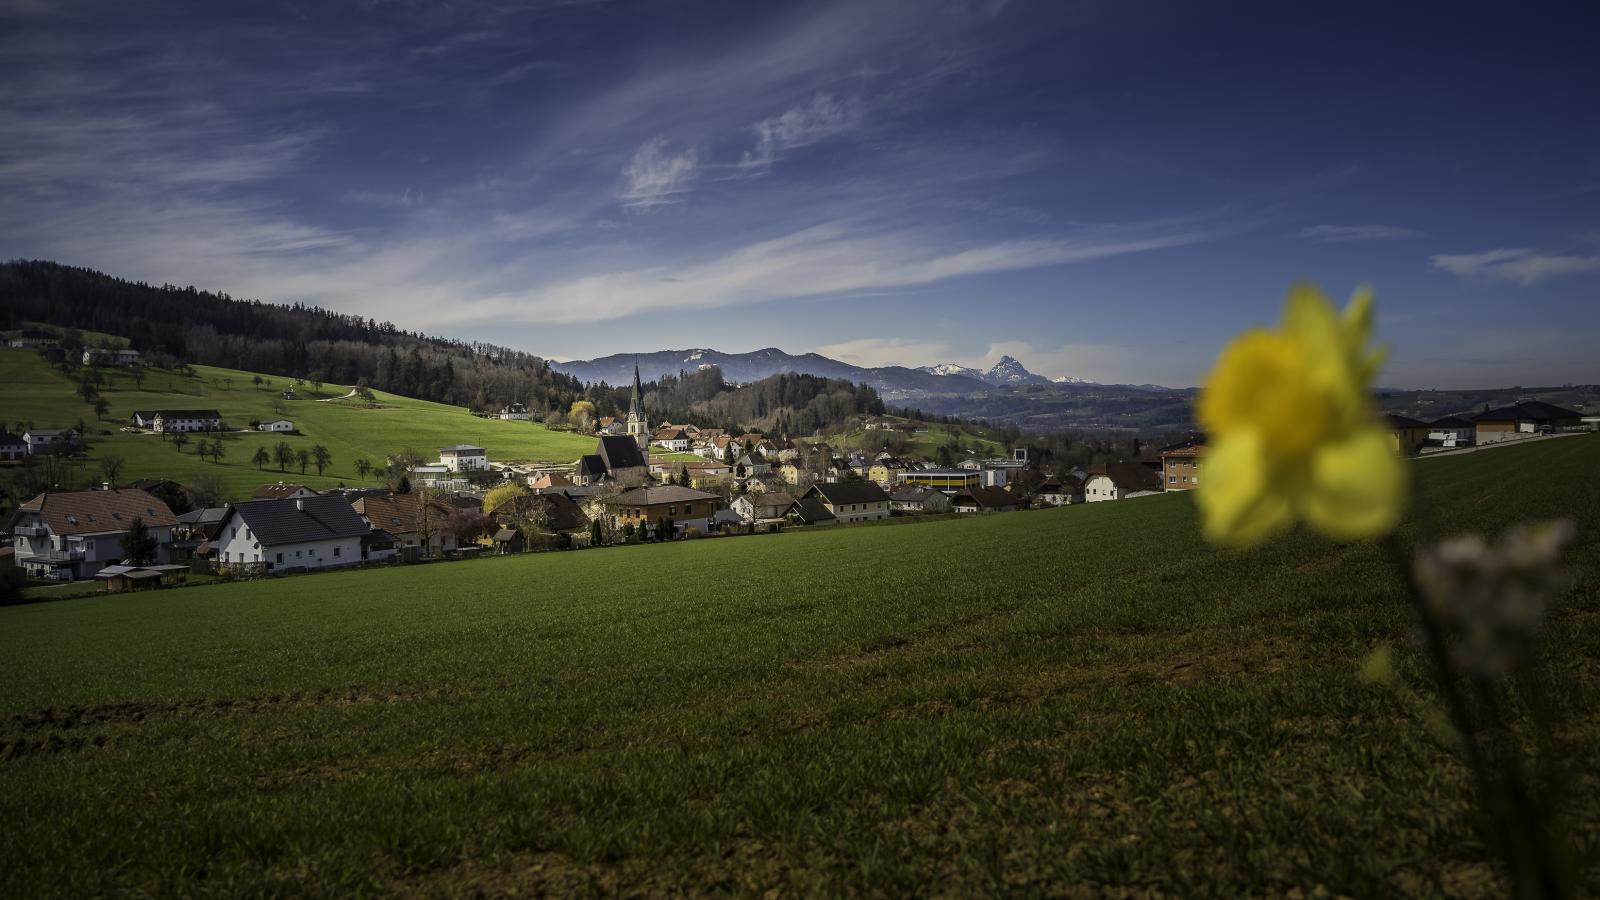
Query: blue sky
x,y
1104,190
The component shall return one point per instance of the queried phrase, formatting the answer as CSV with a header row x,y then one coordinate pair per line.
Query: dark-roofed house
x,y
1452,431
68,535
1119,481
281,535
763,510
811,511
985,500
553,511
464,458
12,447
908,498
851,501
1062,491
282,491
645,506
165,421
508,540
1406,435
1520,420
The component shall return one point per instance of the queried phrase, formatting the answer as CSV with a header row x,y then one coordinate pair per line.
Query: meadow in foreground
x,y
1039,702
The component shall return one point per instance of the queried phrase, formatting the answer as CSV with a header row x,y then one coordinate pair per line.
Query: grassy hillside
x,y
349,429
925,444
1045,702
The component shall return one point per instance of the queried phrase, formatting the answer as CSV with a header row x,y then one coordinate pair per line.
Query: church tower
x,y
638,427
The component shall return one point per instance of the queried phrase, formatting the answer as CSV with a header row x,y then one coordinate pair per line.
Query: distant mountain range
x,y
893,381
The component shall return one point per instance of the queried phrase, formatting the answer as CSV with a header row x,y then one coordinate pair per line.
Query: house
x,y
851,501
762,484
418,526
196,529
811,511
553,511
985,500
1063,491
1522,419
549,481
1120,481
764,510
790,471
70,535
41,441
886,471
684,507
1452,431
912,499
438,477
700,473
464,458
946,480
276,425
12,448
290,394
171,421
1406,435
1180,466
609,425
280,535
100,357
281,491
673,439
751,464
515,412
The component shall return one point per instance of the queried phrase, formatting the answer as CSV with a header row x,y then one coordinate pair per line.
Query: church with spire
x,y
638,426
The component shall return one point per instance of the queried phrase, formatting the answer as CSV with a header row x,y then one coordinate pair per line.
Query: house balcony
x,y
31,531
54,556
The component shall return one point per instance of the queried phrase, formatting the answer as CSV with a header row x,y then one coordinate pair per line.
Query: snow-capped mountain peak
x,y
1010,370
951,369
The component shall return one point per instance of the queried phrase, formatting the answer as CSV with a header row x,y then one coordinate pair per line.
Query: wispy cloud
x,y
824,117
657,174
1523,265
1339,234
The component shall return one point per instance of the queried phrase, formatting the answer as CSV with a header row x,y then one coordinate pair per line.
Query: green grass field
x,y
1058,702
926,444
349,429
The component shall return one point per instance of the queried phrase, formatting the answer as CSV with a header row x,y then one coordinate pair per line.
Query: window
x,y
280,559
298,554
1172,479
336,551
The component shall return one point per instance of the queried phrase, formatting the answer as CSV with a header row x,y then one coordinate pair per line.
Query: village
x,y
644,482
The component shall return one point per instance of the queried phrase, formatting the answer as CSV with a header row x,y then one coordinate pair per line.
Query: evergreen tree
x,y
138,546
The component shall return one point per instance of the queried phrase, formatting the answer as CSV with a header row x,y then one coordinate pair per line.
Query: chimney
x,y
300,504
105,485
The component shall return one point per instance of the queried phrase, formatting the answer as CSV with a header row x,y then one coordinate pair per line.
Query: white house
x,y
69,535
279,535
675,439
515,412
97,357
1120,481
763,510
49,440
464,458
1452,431
276,425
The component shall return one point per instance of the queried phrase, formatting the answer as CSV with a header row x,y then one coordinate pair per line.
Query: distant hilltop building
x,y
638,426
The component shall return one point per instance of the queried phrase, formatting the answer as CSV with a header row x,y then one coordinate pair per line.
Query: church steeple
x,y
638,427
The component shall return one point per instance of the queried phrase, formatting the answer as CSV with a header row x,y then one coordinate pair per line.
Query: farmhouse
x,y
763,510
1406,435
418,526
1120,481
674,439
684,507
283,535
515,412
464,458
276,425
985,500
851,501
548,513
101,357
281,491
1063,491
811,511
172,421
69,535
12,448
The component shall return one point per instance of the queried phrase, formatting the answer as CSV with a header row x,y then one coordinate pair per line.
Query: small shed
x,y
508,540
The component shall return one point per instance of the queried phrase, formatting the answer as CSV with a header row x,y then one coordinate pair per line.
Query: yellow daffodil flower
x,y
1292,430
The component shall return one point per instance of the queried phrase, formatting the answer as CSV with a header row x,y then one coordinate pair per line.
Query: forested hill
x,y
194,326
